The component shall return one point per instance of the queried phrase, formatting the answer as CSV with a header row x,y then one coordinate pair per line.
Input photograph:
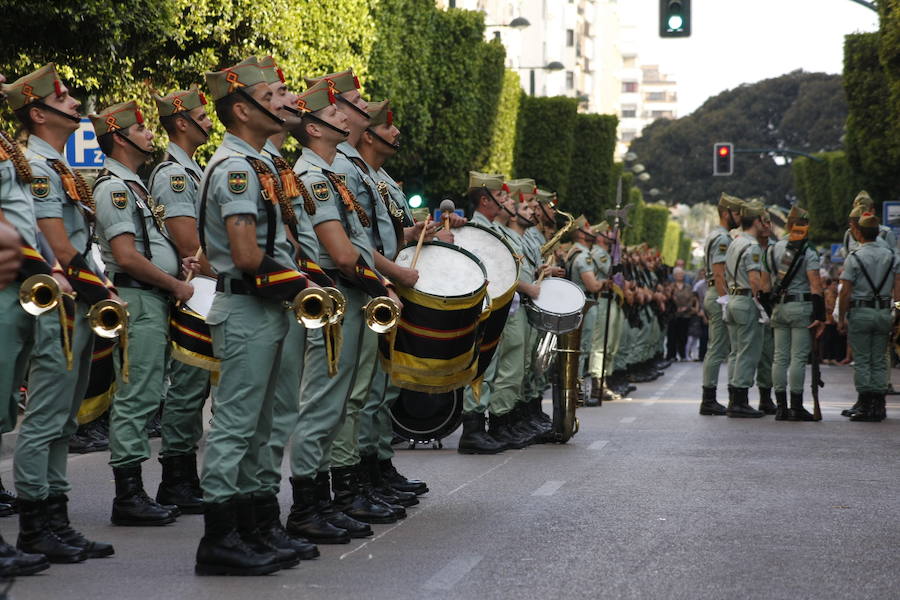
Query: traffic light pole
x,y
867,4
778,150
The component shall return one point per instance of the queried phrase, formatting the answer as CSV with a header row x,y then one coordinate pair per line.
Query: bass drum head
x,y
424,417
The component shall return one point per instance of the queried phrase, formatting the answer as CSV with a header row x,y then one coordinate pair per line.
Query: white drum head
x,y
444,270
498,261
560,296
204,292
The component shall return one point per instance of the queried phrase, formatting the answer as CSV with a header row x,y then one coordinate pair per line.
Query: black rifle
x,y
816,381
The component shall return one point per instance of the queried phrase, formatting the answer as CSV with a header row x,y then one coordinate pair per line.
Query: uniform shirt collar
x,y
348,150
271,149
315,160
180,156
121,171
236,144
41,148
748,236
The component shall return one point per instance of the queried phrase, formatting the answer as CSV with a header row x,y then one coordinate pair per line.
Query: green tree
x,y
545,139
591,165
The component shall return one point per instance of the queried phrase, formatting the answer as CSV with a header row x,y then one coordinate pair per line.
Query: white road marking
x,y
598,444
474,479
452,572
548,489
627,420
650,402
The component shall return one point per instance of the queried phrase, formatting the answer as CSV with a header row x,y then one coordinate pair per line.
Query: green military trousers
x,y
868,330
510,365
54,397
471,404
623,357
16,340
248,337
588,323
605,336
719,345
535,382
182,417
792,345
285,409
345,449
323,399
766,356
136,401
375,426
745,338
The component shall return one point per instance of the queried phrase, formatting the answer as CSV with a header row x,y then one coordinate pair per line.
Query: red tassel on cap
x,y
280,74
356,81
138,116
202,97
390,118
57,88
521,198
505,188
331,98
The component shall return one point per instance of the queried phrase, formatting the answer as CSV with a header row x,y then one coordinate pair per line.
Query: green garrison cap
x,y
315,98
521,186
730,202
381,113
117,116
488,180
863,199
857,211
798,214
270,69
344,81
34,86
754,208
601,227
179,101
868,219
228,81
545,197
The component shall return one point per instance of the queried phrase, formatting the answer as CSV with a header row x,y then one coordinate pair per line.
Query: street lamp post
x,y
551,66
517,23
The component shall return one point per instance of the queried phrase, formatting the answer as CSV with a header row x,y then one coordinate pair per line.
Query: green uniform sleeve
x,y
324,197
719,248
115,208
812,260
235,188
46,191
603,265
173,188
753,260
583,263
851,268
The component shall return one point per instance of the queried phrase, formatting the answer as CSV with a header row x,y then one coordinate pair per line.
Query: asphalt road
x,y
648,500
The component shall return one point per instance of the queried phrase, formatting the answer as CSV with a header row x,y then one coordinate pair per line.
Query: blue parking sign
x,y
82,149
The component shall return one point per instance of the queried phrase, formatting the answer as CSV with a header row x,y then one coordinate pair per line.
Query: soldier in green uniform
x,y
62,205
175,184
741,307
244,237
584,271
766,356
885,237
601,336
870,282
145,267
715,248
799,309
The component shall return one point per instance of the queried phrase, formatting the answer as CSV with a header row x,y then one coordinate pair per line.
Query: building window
x,y
629,62
629,87
629,135
497,35
629,111
661,114
570,37
656,97
570,80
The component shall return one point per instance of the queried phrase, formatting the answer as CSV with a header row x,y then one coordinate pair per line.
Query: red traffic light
x,y
723,158
724,151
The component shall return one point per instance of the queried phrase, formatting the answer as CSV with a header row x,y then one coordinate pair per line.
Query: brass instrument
x,y
109,319
571,224
566,386
382,314
546,352
312,307
339,304
38,294
334,338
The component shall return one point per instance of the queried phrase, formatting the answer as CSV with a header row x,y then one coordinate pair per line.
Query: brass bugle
x,y
312,307
339,304
38,294
107,318
382,314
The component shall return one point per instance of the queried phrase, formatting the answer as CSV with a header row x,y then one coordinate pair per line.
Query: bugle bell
x,y
312,307
338,302
107,318
38,294
382,314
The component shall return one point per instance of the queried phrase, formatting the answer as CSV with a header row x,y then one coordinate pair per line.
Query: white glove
x,y
723,300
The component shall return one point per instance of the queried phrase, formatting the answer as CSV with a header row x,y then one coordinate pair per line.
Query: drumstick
x,y
419,244
543,272
447,207
190,275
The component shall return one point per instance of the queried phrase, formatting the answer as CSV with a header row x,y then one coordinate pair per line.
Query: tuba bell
x,y
338,302
38,294
312,307
107,318
382,314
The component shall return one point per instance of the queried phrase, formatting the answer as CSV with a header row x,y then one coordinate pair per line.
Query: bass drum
x,y
421,418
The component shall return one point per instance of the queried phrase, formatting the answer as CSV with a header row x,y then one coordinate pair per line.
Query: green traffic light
x,y
415,201
676,22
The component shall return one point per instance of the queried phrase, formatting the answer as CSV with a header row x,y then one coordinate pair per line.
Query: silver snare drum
x,y
558,309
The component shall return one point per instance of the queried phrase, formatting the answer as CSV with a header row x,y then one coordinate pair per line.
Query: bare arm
x,y
136,265
756,281
844,301
718,270
183,231
55,232
332,236
591,282
815,282
402,275
245,252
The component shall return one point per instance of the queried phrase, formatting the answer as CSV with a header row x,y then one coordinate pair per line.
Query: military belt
x,y
607,295
876,303
124,280
740,292
234,286
793,298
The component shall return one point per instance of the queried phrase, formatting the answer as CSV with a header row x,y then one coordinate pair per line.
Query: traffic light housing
x,y
723,158
674,18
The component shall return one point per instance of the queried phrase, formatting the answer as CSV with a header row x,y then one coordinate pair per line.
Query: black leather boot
x,y
268,521
380,485
520,425
36,537
781,406
14,563
499,428
58,516
765,401
132,506
367,490
595,399
304,519
248,528
708,404
329,512
739,407
178,483
399,482
154,427
867,411
222,551
797,412
474,440
9,499
880,405
541,419
349,500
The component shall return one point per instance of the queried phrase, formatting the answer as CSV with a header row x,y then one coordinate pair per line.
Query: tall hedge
x,y
826,189
889,55
671,244
502,149
635,232
545,138
656,218
591,165
685,247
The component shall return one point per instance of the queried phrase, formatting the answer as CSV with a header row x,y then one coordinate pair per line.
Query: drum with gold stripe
x,y
188,332
434,348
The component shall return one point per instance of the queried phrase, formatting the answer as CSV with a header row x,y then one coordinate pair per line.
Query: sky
x,y
744,41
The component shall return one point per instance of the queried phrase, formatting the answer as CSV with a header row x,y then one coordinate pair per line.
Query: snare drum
x,y
503,275
433,348
188,331
558,307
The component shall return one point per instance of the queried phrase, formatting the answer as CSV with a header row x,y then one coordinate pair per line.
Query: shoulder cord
x,y
10,150
79,194
347,197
